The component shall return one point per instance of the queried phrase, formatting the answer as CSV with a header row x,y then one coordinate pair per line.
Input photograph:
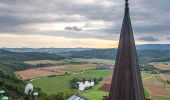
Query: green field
x,y
79,68
35,62
103,61
98,61
53,85
95,93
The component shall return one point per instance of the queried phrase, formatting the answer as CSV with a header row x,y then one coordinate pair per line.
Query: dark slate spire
x,y
126,82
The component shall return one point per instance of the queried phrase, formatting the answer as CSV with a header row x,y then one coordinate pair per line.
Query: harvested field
x,y
78,68
157,90
165,76
43,62
35,73
53,70
162,66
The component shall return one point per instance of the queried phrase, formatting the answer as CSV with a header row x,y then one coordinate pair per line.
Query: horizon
x,y
75,47
85,24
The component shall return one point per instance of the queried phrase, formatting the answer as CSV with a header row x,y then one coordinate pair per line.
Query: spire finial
x,y
126,4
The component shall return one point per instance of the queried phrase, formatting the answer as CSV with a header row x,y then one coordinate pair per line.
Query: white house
x,y
86,84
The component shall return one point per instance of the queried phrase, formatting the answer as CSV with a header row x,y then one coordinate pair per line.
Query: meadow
x,y
52,85
93,60
76,60
155,86
57,84
35,62
161,65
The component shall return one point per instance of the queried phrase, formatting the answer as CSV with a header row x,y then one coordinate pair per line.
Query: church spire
x,y
126,82
126,4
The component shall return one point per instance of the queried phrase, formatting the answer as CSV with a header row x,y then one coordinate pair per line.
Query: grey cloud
x,y
168,38
73,28
148,38
148,17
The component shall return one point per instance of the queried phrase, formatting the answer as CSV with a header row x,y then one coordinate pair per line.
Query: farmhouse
x,y
85,85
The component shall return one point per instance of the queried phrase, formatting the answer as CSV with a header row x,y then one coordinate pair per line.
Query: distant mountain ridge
x,y
25,56
46,50
154,46
58,50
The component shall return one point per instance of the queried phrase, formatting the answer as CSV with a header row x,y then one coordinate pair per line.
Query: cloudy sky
x,y
80,23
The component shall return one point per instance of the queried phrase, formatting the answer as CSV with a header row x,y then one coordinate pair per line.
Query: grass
x,y
95,93
53,85
146,93
103,61
98,61
161,98
78,68
35,62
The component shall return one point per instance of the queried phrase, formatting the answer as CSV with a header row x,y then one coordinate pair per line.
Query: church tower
x,y
126,82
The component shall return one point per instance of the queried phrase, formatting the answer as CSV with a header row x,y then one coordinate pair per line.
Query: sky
x,y
80,23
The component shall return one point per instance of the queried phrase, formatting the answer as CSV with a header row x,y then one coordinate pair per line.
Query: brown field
x,y
35,73
78,68
53,70
107,83
165,76
157,90
161,66
154,85
43,62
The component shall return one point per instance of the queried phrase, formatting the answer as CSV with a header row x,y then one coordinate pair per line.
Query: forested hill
x,y
14,60
144,55
23,56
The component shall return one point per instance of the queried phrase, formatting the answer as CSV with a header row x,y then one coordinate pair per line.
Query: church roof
x,y
126,82
76,97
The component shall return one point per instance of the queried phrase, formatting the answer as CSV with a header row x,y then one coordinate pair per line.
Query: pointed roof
x,y
126,82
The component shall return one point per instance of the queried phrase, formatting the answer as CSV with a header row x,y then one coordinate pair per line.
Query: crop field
x,y
90,61
36,73
43,62
78,68
53,70
154,86
52,85
98,61
157,87
165,76
161,65
87,64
